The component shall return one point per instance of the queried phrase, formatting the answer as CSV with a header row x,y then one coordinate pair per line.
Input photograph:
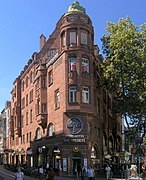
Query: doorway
x,y
76,165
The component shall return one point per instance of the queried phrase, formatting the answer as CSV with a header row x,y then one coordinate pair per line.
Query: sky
x,y
23,21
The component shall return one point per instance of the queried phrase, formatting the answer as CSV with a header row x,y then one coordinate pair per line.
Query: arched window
x,y
51,130
38,133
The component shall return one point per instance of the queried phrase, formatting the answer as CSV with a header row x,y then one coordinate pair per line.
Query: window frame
x,y
85,94
85,65
72,94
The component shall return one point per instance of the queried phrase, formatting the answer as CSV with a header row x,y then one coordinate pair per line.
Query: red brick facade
x,y
59,113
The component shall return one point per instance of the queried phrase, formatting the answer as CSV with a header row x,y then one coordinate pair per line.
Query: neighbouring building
x,y
60,114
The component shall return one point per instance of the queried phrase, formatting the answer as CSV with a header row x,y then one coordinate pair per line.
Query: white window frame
x,y
85,65
85,94
72,64
72,94
51,130
84,37
57,99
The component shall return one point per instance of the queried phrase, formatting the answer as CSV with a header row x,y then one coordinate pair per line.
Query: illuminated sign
x,y
75,125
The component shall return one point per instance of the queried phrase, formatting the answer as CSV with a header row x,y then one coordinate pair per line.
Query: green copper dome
x,y
76,7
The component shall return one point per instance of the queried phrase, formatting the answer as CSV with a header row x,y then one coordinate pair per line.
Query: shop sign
x,y
74,138
64,164
75,125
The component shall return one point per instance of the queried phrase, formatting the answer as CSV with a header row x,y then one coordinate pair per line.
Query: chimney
x,y
42,41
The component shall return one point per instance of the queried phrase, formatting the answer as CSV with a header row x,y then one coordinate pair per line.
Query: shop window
x,y
72,64
72,94
38,133
85,94
72,37
57,99
85,65
50,77
83,38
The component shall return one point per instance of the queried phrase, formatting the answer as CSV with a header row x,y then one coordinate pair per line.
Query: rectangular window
x,y
26,99
83,38
50,77
22,121
44,107
72,37
31,96
85,94
85,65
26,118
57,99
43,82
23,103
30,136
72,94
63,40
72,64
38,106
31,116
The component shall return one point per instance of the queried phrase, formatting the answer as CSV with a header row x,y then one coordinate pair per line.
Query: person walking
x,y
91,173
51,175
41,172
144,174
108,171
19,175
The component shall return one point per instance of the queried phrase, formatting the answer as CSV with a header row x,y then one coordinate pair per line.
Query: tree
x,y
124,70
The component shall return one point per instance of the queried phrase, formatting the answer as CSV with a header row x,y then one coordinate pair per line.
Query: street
x,y
9,175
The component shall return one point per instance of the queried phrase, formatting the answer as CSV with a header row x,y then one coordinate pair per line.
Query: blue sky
x,y
23,21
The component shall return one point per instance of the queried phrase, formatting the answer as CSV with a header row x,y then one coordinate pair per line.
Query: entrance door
x,y
76,166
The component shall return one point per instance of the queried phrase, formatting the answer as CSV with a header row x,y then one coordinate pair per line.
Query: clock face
x,y
75,125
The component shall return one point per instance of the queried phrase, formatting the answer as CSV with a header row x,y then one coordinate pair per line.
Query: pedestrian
x,y
51,175
144,174
19,175
108,171
83,170
41,172
91,173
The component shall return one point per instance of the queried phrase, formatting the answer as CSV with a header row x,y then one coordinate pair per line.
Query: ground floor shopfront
x,y
66,154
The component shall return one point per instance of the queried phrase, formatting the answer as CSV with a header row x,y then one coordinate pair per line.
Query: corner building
x,y
59,112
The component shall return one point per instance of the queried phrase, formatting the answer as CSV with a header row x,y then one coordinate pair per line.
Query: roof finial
x,y
76,7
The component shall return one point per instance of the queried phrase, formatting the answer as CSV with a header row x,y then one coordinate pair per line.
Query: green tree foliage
x,y
124,69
